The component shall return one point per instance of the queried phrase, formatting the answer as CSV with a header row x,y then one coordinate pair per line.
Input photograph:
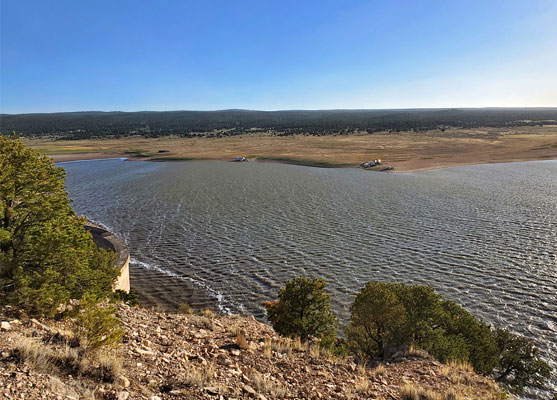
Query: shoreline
x,y
69,157
404,151
64,158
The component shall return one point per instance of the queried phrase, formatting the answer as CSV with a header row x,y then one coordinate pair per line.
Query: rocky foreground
x,y
184,356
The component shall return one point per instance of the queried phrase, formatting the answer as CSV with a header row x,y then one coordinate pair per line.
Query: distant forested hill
x,y
81,125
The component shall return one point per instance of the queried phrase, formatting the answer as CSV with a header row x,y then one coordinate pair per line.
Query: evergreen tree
x,y
520,364
303,310
386,317
46,256
377,321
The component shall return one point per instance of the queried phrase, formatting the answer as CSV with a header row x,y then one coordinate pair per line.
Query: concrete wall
x,y
107,240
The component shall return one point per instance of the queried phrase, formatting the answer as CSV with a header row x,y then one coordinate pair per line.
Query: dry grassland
x,y
405,151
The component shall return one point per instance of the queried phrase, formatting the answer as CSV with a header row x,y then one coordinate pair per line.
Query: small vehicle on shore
x,y
370,164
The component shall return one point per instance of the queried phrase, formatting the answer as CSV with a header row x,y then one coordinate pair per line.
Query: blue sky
x,y
270,55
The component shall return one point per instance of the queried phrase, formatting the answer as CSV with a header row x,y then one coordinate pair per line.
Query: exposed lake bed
x,y
404,151
229,235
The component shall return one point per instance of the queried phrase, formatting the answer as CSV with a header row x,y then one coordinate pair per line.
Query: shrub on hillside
x,y
130,298
377,321
96,324
387,317
466,338
422,307
303,309
519,365
46,256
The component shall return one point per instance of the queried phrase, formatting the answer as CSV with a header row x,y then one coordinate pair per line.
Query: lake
x,y
228,235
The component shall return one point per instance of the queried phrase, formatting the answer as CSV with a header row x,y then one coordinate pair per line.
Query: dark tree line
x,y
84,125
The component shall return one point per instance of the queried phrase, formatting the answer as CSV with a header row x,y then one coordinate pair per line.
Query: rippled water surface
x,y
229,235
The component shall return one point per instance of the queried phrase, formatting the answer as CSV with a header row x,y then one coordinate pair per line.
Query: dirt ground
x,y
405,151
172,356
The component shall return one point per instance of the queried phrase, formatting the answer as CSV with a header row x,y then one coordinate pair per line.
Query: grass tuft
x,y
362,385
206,323
460,365
43,358
380,370
184,308
410,392
207,312
199,376
265,384
110,366
267,348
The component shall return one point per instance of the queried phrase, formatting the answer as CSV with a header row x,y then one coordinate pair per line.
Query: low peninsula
x,y
404,151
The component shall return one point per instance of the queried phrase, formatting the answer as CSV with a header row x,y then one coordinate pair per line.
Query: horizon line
x,y
289,110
